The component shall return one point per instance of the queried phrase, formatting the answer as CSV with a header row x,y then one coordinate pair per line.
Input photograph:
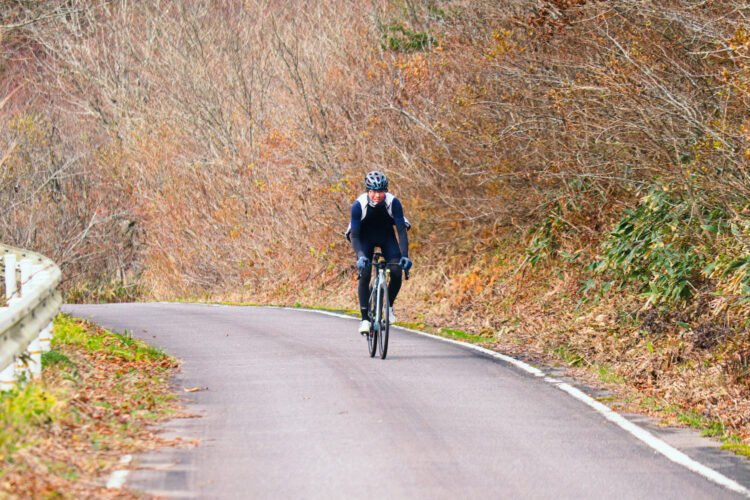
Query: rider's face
x,y
376,196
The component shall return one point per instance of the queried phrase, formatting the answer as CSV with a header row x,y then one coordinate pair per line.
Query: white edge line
x,y
657,444
118,477
636,431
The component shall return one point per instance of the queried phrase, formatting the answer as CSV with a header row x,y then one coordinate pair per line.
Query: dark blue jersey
x,y
373,226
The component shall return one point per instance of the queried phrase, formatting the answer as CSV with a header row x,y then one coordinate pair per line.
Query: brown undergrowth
x,y
98,397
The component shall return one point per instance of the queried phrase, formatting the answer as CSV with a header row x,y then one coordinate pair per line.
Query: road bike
x,y
377,312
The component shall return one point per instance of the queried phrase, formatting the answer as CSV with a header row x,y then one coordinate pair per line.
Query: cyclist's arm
x,y
356,223
398,218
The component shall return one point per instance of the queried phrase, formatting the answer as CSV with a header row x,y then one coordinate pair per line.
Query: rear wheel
x,y
384,322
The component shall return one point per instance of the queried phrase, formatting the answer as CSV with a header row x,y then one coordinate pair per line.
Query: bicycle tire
x,y
372,335
385,322
372,341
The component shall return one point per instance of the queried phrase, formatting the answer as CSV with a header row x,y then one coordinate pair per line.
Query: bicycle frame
x,y
378,308
381,279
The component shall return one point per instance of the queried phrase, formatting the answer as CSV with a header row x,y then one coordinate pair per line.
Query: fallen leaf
x,y
195,389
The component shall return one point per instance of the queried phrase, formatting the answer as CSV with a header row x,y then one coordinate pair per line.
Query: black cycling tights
x,y
364,287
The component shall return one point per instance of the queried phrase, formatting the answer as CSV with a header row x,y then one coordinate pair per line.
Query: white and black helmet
x,y
376,181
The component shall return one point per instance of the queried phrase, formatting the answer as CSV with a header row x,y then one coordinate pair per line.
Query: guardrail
x,y
26,318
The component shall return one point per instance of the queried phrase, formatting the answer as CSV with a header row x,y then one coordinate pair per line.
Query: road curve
x,y
296,409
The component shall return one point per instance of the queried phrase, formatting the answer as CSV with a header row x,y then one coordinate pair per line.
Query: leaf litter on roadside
x,y
99,395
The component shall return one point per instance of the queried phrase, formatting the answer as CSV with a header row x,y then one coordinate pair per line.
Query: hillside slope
x,y
576,171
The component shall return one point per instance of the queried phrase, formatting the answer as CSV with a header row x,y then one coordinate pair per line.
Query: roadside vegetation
x,y
575,170
99,392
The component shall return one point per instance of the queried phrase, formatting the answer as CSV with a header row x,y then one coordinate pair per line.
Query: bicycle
x,y
377,337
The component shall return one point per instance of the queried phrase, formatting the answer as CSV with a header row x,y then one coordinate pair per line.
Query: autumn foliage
x,y
576,171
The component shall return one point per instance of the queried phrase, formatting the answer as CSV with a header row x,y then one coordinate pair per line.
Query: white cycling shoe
x,y
391,316
364,327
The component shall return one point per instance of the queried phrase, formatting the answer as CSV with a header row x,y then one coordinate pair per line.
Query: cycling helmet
x,y
377,181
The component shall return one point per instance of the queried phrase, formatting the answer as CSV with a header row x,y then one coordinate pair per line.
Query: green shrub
x,y
400,39
545,242
663,245
53,357
21,409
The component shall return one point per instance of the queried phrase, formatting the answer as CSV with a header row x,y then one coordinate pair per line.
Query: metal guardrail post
x,y
10,275
26,267
45,338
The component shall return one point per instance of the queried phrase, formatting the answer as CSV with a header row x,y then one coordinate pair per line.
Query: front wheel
x,y
372,341
384,322
372,335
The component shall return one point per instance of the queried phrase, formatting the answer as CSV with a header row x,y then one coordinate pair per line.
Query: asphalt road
x,y
294,408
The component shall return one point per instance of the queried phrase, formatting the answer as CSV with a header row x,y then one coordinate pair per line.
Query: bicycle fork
x,y
376,319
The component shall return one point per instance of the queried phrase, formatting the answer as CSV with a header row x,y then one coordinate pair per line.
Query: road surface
x,y
294,408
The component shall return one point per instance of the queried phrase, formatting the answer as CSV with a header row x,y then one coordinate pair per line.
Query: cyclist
x,y
373,216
